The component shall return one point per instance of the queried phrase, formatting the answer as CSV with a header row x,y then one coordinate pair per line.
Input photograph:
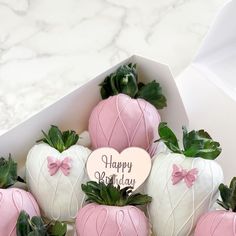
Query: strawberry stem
x,y
195,143
8,172
125,80
111,195
228,196
58,139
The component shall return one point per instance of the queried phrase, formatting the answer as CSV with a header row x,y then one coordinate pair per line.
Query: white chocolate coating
x,y
175,209
59,196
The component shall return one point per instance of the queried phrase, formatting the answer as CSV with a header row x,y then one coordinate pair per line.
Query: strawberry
x,y
183,182
112,211
128,115
13,200
220,222
55,169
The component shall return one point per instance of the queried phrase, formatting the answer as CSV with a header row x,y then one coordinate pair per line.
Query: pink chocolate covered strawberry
x,y
112,211
220,222
12,200
128,115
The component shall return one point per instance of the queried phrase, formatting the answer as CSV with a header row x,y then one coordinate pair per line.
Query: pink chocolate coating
x,y
94,220
12,201
120,122
217,223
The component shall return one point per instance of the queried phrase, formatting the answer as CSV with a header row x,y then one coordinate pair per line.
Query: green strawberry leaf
x,y
57,229
69,138
195,143
92,190
106,90
36,233
152,92
8,172
168,137
138,199
222,204
22,226
36,226
225,194
108,194
58,139
233,195
228,196
105,195
232,182
125,80
200,144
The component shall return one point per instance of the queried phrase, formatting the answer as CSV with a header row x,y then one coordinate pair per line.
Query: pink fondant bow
x,y
54,165
179,174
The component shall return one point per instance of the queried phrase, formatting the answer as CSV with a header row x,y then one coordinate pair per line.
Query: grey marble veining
x,y
49,47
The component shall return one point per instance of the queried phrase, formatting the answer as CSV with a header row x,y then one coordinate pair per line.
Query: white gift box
x,y
208,86
73,110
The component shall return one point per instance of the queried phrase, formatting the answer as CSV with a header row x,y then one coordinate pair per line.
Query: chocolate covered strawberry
x,y
128,115
183,182
55,169
220,222
13,200
112,211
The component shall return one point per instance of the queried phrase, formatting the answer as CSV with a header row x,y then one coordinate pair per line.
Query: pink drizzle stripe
x,y
119,222
87,217
1,198
104,221
18,205
99,122
218,223
234,225
119,111
138,213
119,115
138,124
36,210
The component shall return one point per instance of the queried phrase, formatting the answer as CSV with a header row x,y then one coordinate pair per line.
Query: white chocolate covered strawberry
x,y
55,169
183,182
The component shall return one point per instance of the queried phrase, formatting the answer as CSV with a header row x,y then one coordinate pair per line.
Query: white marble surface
x,y
47,47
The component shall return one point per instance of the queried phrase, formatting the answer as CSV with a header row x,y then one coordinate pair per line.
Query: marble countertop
x,y
47,48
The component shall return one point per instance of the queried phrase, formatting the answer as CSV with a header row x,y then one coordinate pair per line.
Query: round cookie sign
x,y
131,167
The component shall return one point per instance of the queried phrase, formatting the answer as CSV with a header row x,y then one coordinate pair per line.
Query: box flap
x,y
216,58
221,33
